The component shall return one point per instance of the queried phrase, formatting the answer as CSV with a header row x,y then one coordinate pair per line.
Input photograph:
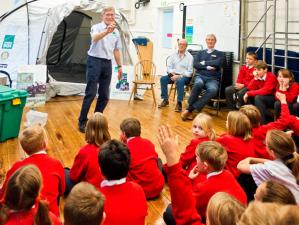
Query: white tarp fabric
x,y
26,41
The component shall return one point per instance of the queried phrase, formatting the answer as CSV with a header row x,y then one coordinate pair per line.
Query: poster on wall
x,y
121,89
189,31
32,78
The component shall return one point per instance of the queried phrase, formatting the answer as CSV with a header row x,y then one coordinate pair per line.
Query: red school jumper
x,y
188,158
52,174
183,203
144,168
291,93
259,133
182,200
125,204
27,217
237,150
262,87
245,75
86,166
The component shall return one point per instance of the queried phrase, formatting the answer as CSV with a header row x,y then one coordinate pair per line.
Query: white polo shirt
x,y
104,48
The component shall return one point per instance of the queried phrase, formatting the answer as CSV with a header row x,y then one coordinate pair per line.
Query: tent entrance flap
x,y
67,53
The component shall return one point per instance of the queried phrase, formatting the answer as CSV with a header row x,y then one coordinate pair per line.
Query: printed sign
x,y
32,78
8,42
121,89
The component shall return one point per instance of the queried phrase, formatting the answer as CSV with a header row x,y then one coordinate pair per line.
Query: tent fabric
x,y
33,37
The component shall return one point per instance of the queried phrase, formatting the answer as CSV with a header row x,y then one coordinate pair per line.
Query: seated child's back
x,y
86,166
144,168
125,200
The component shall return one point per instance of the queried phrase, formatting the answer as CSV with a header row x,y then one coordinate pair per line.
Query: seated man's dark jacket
x,y
214,59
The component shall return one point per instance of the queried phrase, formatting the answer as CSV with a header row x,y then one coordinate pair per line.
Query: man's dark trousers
x,y
99,71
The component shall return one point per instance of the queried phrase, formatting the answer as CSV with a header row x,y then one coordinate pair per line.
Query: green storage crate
x,y
12,103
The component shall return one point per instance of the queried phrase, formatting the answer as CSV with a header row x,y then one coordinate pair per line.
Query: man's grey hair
x,y
213,36
108,8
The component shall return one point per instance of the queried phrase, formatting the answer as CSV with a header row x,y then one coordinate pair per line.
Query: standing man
x,y
179,70
105,43
208,64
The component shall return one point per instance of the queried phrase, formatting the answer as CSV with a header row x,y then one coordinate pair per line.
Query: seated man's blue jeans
x,y
180,83
210,84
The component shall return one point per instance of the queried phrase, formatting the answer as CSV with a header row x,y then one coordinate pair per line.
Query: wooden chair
x,y
145,71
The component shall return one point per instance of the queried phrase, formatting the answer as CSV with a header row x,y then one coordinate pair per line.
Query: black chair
x,y
8,76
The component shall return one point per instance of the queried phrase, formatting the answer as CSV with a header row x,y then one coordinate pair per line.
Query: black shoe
x,y
178,107
164,103
82,126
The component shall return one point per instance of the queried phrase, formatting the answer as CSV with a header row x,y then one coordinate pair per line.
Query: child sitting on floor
x,y
86,166
222,209
84,205
21,203
34,142
202,130
125,200
144,168
237,140
284,168
211,158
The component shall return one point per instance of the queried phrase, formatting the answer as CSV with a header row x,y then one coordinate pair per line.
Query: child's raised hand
x,y
169,144
281,97
194,172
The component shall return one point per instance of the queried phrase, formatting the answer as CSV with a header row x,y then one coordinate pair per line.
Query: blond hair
x,y
97,129
239,125
253,114
84,205
33,139
213,153
284,149
258,213
206,123
223,209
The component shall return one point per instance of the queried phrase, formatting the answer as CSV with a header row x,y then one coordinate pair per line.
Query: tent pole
x,y
41,38
28,33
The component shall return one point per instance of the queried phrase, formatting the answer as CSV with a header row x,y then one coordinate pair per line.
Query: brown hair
x,y
260,64
97,130
21,193
213,153
278,193
253,114
84,205
238,125
258,213
284,148
287,74
131,127
223,209
252,54
33,139
206,123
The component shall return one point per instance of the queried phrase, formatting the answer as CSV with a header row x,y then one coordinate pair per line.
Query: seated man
x,y
208,65
179,70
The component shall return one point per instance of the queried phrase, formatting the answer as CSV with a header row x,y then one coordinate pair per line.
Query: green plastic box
x,y
12,103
